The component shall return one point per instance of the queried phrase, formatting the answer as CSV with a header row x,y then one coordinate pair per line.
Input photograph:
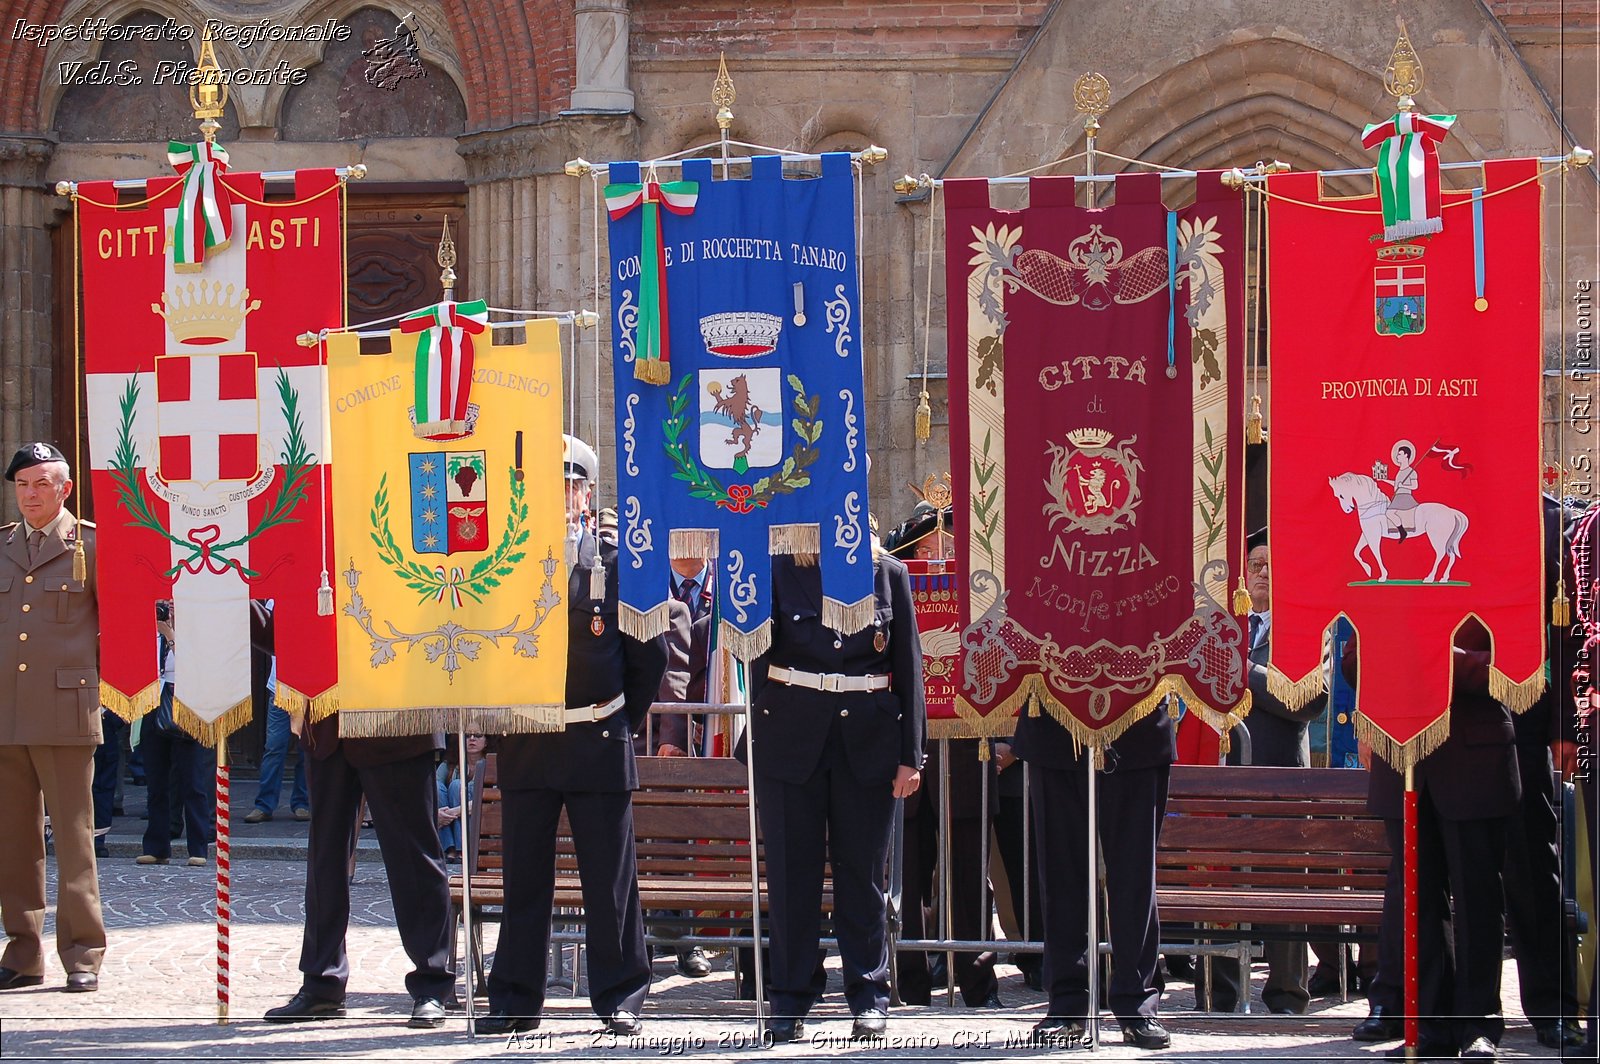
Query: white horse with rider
x,y
1443,525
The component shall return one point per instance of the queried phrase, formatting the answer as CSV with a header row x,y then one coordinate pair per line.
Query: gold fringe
x,y
924,418
297,703
1561,608
211,732
1402,756
846,618
746,646
1518,696
652,371
1296,693
290,701
643,625
794,539
325,705
1241,600
130,708
424,429
423,720
80,563
685,543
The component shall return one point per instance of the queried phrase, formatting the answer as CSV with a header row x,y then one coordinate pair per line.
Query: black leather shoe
x,y
870,1023
1033,978
1427,1049
991,1002
786,1029
427,1013
1058,1030
1147,1033
1556,1035
82,982
501,1023
14,980
306,1006
693,963
1379,1026
1480,1048
624,1023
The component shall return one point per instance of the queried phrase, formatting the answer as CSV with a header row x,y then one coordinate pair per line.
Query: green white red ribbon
x,y
205,210
652,347
449,585
1408,171
442,381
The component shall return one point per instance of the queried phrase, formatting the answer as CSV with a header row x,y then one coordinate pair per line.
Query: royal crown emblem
x,y
1093,487
1404,251
741,334
198,313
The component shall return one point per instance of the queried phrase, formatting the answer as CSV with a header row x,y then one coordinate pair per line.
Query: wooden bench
x,y
1265,850
692,831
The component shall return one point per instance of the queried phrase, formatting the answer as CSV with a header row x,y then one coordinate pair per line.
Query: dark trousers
x,y
1285,989
832,815
974,972
179,773
613,929
1131,805
107,769
1008,833
1534,915
1459,959
401,798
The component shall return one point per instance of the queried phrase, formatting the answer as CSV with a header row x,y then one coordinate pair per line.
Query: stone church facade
x,y
514,89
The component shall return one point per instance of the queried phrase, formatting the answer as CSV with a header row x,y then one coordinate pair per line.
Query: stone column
x,y
27,283
602,67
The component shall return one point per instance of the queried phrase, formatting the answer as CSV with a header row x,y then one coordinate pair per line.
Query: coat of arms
x,y
1399,294
741,418
449,502
1095,487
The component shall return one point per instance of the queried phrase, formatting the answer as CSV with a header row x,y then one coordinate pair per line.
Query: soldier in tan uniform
x,y
49,725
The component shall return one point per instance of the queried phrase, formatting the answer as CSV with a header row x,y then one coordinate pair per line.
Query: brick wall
x,y
822,29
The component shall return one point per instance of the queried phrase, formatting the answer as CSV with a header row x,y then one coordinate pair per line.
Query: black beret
x,y
1258,538
924,521
32,454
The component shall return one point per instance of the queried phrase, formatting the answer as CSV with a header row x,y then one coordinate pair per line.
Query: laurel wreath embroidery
x,y
482,578
743,498
297,463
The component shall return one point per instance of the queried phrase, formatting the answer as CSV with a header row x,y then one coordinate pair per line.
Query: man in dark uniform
x,y
838,725
588,769
49,725
1466,790
1131,798
396,777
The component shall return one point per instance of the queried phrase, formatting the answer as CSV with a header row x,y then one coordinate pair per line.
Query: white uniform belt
x,y
828,681
598,711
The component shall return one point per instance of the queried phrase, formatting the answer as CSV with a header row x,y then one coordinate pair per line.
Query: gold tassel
x,y
1253,432
924,418
1224,744
983,750
80,564
1241,600
1560,608
325,597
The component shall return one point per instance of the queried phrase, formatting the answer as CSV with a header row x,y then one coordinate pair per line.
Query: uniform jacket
x,y
49,639
1278,735
1473,774
323,738
882,730
1148,743
677,680
596,756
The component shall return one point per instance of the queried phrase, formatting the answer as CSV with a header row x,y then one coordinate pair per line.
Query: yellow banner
x,y
450,578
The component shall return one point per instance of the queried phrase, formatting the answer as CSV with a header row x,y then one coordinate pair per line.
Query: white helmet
x,y
578,459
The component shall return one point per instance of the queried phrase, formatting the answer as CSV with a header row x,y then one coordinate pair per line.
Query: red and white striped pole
x,y
224,876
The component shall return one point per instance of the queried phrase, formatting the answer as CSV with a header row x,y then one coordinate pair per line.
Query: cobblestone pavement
x,y
158,994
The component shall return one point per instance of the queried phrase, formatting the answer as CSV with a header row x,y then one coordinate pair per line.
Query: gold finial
x,y
208,93
1091,95
722,94
906,185
447,260
579,167
1402,78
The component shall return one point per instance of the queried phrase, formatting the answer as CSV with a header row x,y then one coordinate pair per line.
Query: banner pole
x,y
946,917
755,867
1409,830
1092,1021
469,856
224,882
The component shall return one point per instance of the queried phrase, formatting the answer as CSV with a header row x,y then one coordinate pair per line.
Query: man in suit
x,y
1278,736
396,776
589,769
1132,800
49,725
1466,791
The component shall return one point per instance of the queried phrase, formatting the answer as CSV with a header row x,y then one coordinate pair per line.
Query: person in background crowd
x,y
49,725
451,804
177,768
588,770
107,770
281,739
829,765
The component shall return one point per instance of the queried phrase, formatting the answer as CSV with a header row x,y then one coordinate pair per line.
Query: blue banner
x,y
755,444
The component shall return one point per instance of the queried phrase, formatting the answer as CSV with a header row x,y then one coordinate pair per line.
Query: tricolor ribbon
x,y
1408,172
449,585
443,378
651,361
205,211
